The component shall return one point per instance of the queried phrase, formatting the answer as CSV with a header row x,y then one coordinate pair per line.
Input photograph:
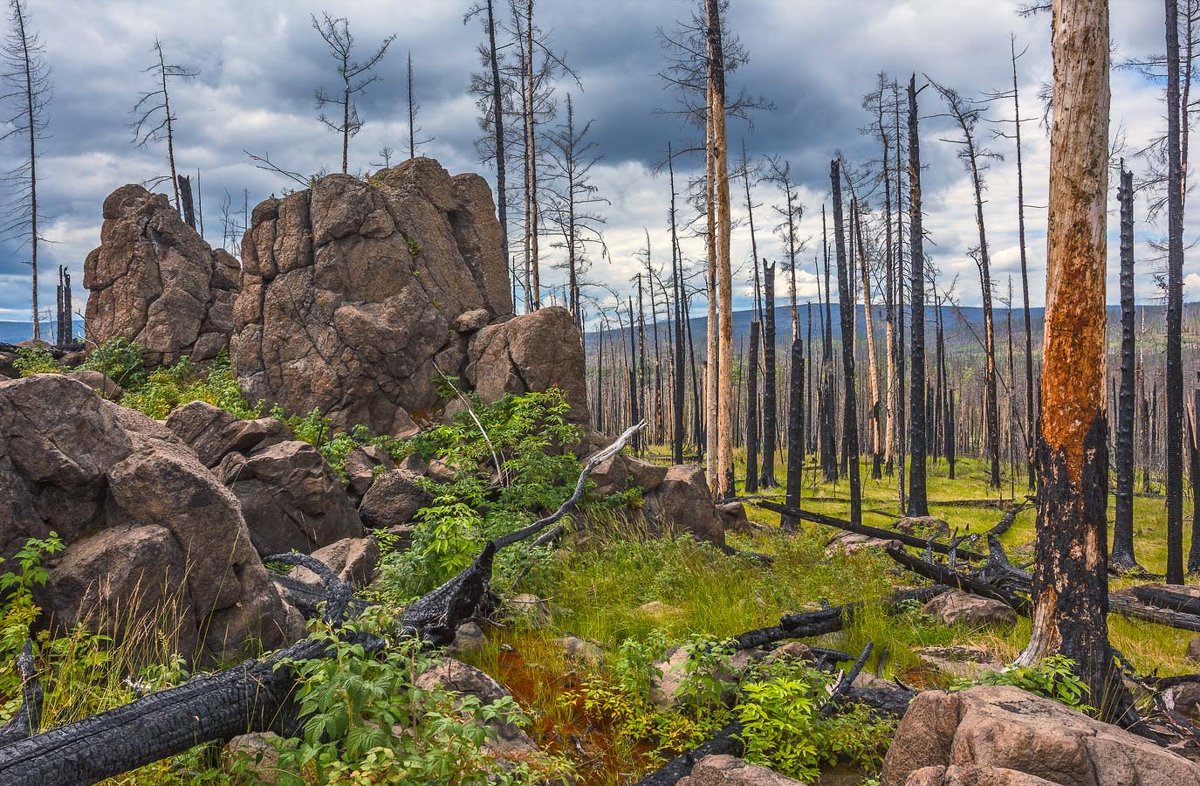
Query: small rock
x,y
961,608
973,775
575,648
926,527
351,559
1193,650
733,514
394,498
792,650
470,321
253,757
529,609
959,661
361,468
458,677
468,637
440,472
851,543
727,770
1186,699
656,608
99,383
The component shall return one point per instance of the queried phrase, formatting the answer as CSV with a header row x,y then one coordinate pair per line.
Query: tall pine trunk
x,y
917,503
1070,580
770,400
1174,370
846,311
1123,553
752,411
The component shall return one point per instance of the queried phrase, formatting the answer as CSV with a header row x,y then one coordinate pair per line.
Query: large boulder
x,y
352,293
532,352
393,499
724,770
1005,727
154,281
962,608
682,503
147,527
291,499
971,775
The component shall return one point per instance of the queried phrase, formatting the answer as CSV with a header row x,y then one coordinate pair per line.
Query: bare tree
x,y
1070,580
917,501
155,121
780,174
1122,550
573,202
355,76
489,91
967,116
413,108
26,81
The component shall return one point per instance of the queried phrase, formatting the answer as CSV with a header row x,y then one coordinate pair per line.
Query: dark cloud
x,y
260,62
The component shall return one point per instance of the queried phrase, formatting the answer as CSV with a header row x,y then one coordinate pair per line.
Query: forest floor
x,y
615,587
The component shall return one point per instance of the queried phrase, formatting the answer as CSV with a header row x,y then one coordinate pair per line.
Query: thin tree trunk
x,y
917,504
752,411
676,279
846,309
770,399
795,432
873,419
1123,548
498,130
1029,419
1174,365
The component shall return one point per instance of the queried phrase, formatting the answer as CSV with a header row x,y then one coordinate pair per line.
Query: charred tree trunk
x,y
950,447
185,200
917,503
770,400
1029,418
752,412
846,309
1070,580
680,315
1174,370
795,433
1122,553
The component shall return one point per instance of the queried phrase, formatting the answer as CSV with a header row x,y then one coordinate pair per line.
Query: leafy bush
x,y
119,360
368,722
781,728
35,359
173,386
510,464
1054,678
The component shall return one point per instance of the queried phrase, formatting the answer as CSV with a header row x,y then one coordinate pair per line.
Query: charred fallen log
x,y
962,581
1006,521
1166,598
253,696
869,531
726,741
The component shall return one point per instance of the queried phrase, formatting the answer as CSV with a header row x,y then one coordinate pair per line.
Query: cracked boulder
x,y
358,296
154,281
150,534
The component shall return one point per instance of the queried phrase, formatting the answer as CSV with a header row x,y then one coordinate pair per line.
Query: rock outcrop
x,y
1006,729
533,352
681,503
290,498
154,281
149,532
357,296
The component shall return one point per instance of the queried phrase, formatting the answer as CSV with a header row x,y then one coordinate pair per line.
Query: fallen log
x,y
869,531
952,578
1006,521
726,741
845,682
1126,606
253,696
1168,598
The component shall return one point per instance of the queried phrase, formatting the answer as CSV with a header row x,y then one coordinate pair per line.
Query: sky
x,y
259,62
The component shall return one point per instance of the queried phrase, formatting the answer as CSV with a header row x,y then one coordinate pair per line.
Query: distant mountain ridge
x,y
13,332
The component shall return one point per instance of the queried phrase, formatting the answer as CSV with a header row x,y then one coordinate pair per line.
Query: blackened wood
x,y
1122,551
917,501
752,411
846,312
869,531
726,741
945,575
1164,598
1174,365
770,400
843,685
185,197
795,432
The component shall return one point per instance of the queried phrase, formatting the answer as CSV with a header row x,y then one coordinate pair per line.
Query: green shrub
x,y
1054,678
781,728
35,359
368,722
173,386
511,465
119,360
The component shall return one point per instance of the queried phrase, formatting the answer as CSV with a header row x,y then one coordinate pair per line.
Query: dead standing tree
x,y
1123,550
413,108
846,310
489,92
1070,580
155,121
975,158
26,85
355,75
917,501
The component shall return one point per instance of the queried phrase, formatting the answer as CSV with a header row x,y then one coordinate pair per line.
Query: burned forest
x,y
705,393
